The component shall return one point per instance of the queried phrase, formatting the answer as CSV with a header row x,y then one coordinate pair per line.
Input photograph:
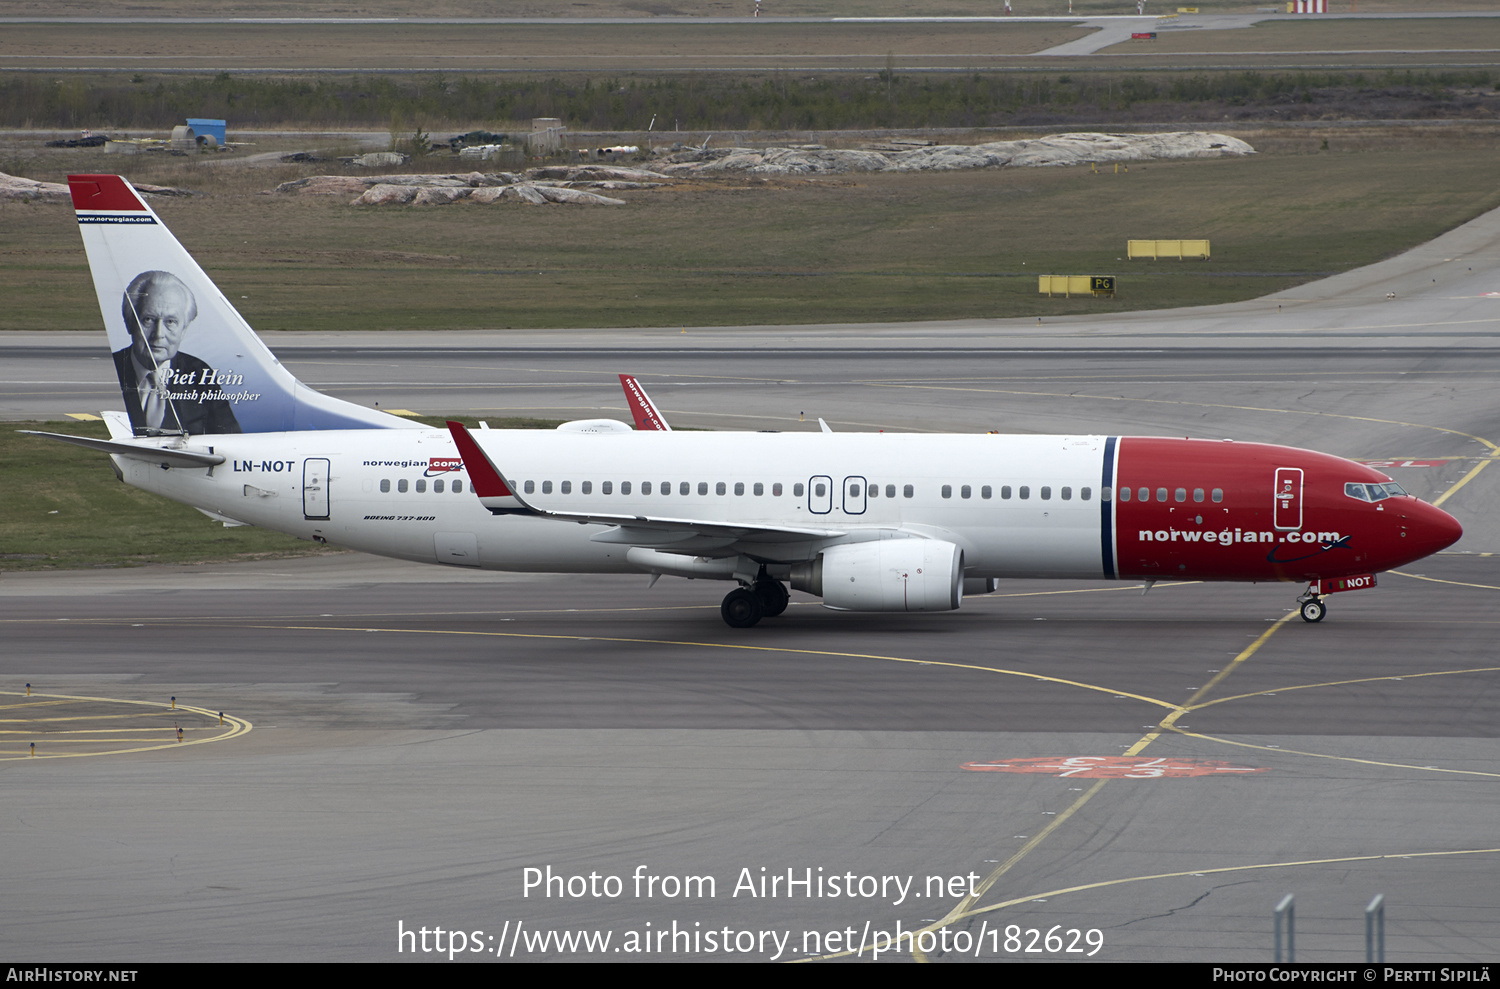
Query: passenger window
x,y
1197,494
702,488
437,486
758,490
1067,494
1218,494
587,487
986,491
684,488
1046,493
1161,494
1005,492
530,487
1144,494
566,487
645,487
908,491
776,489
965,491
890,491
1083,494
820,489
874,491
421,486
605,487
1124,494
739,488
797,490
458,487
625,488
401,485
947,491
854,490
1180,494
385,485
1025,492
720,488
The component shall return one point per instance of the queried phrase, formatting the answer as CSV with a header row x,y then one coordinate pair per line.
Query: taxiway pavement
x,y
422,737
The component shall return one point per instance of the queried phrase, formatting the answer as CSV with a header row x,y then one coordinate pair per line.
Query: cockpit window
x,y
1374,492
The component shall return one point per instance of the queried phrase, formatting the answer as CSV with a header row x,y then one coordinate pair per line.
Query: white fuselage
x,y
392,492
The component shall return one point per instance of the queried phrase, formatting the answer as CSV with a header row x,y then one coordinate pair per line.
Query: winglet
x,y
494,492
642,409
483,476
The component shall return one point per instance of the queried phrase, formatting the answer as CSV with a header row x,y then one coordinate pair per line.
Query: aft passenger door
x,y
315,488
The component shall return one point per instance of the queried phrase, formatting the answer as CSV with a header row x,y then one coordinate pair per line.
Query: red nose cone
x,y
1429,529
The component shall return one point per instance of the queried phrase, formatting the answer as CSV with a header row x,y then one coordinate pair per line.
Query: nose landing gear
x,y
1313,610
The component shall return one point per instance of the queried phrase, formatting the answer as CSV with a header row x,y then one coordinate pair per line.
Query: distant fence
x,y
1179,249
1070,285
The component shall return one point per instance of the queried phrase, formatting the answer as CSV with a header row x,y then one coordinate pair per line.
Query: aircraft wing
x,y
500,497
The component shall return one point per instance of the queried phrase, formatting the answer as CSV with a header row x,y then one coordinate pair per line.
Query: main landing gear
x,y
744,606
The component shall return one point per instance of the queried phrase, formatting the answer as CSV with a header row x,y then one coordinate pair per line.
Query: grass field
x,y
848,248
63,508
657,8
535,47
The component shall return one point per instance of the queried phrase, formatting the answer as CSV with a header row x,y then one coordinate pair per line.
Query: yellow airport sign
x,y
1070,285
1179,249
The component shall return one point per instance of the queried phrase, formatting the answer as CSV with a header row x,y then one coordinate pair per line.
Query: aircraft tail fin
x,y
647,416
186,359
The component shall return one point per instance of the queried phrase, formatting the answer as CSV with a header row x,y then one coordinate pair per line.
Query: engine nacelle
x,y
888,575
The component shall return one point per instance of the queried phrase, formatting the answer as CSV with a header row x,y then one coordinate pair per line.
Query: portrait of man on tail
x,y
166,390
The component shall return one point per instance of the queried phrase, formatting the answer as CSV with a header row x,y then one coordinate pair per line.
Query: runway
x,y
420,738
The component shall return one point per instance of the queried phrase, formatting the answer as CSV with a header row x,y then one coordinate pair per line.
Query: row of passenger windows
x,y
1023,492
1179,495
421,485
820,489
757,489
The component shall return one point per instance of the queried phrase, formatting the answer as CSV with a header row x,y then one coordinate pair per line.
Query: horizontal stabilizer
x,y
164,456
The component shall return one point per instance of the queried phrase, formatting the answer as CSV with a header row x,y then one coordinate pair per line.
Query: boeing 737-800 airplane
x,y
866,521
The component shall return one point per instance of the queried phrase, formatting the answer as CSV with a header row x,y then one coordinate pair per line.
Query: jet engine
x,y
888,575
